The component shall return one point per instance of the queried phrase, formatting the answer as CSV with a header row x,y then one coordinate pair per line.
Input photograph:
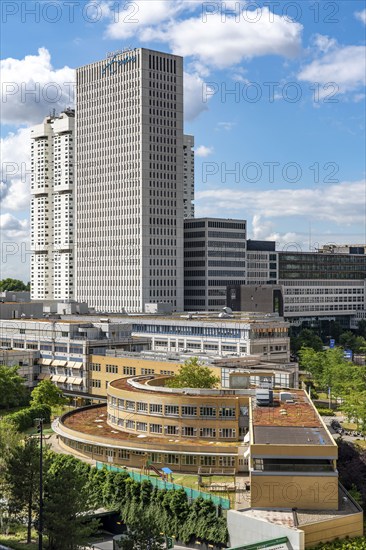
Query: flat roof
x,y
289,435
93,422
285,423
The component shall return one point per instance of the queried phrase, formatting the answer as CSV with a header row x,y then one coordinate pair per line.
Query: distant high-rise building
x,y
214,258
52,208
129,198
188,173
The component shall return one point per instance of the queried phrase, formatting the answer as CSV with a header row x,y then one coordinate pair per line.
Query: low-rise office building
x,y
26,360
222,334
284,447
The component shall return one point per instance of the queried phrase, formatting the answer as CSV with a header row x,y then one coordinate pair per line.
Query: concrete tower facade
x,y
129,231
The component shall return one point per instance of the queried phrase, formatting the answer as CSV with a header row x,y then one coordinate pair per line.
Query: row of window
x,y
204,411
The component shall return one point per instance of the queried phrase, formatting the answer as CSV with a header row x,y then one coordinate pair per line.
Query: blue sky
x,y
274,95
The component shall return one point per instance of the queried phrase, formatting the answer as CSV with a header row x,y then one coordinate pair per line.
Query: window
x,y
189,431
189,460
156,428
189,411
121,403
130,371
123,454
130,424
171,430
227,412
141,426
227,432
141,407
208,432
147,371
111,369
130,405
208,411
227,461
208,461
156,408
171,410
172,459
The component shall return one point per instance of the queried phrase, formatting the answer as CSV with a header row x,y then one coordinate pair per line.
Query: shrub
x,y
325,412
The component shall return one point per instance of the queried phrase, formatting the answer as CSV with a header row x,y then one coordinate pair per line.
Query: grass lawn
x,y
16,540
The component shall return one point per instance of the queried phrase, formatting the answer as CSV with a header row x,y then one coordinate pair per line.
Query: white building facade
x,y
129,230
52,208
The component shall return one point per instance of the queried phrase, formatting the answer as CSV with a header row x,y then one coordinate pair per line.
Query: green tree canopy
x,y
193,375
66,500
12,389
21,481
46,393
14,285
306,339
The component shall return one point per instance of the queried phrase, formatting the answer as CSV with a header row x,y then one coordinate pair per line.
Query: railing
x,y
192,494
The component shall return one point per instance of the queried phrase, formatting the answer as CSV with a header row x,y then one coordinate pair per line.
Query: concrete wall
x,y
249,530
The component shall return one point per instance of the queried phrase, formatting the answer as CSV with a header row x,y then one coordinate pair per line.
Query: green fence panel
x,y
161,484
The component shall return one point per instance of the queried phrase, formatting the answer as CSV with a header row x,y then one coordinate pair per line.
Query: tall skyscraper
x,y
129,196
52,210
188,174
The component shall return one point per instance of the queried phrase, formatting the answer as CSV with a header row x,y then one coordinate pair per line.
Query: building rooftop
x,y
289,422
93,422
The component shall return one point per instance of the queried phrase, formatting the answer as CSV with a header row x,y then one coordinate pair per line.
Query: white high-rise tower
x,y
52,214
129,195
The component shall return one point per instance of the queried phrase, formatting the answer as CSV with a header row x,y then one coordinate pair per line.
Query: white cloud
x,y
203,151
139,16
237,36
227,126
12,226
31,88
361,16
345,66
234,41
194,102
324,43
342,203
15,170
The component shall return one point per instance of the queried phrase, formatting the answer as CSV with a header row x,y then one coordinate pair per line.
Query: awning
x,y
62,379
247,453
246,437
55,378
78,381
58,363
45,361
76,365
42,376
71,380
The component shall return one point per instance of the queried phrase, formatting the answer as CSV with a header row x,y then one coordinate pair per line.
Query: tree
x,y
14,285
12,389
142,534
21,480
66,502
46,393
306,338
193,375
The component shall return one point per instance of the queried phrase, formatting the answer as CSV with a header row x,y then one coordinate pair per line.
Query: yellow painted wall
x,y
308,492
340,527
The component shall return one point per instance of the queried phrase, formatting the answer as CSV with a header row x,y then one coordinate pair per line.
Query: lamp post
x,y
40,522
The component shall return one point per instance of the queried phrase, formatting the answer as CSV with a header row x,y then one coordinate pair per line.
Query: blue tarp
x,y
167,470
